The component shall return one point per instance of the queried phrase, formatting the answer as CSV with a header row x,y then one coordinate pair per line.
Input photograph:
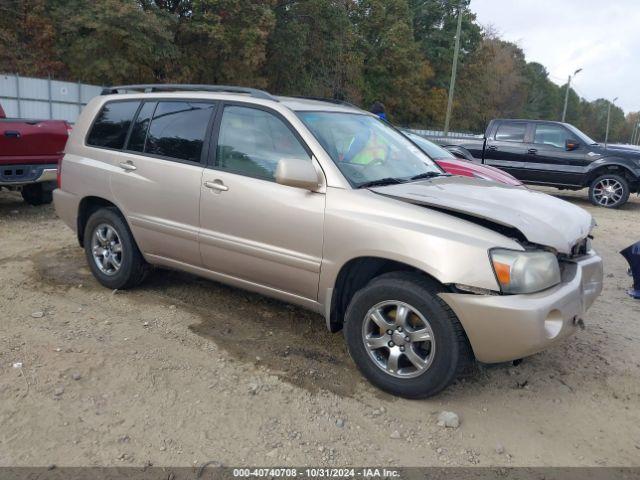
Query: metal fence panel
x,y
43,98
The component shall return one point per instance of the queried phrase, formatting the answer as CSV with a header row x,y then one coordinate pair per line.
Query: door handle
x,y
216,185
492,148
128,166
532,151
12,133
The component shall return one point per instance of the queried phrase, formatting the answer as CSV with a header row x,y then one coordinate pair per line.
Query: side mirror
x,y
571,145
297,173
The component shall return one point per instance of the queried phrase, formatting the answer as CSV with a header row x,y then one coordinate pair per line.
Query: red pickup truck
x,y
30,152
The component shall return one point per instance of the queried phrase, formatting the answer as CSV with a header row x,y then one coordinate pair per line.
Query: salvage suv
x,y
323,205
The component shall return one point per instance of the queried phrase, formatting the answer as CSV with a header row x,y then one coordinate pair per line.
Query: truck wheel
x,y
37,194
111,251
404,338
609,191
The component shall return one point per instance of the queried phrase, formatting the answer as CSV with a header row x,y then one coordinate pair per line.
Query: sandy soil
x,y
182,371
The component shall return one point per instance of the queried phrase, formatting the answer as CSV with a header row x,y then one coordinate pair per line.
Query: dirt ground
x,y
182,371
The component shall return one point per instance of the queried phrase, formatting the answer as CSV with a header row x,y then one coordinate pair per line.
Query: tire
x,y
449,354
131,266
37,194
615,197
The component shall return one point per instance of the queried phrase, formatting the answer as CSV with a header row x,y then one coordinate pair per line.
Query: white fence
x,y
37,98
440,133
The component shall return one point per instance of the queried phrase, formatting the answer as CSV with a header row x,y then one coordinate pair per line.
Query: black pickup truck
x,y
540,152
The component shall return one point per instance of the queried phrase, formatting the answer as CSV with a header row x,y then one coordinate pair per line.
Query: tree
x,y
114,41
313,50
224,41
394,69
434,27
27,39
543,96
492,85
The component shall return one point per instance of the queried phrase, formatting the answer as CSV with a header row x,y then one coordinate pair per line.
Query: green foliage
x,y
113,41
434,27
398,52
313,50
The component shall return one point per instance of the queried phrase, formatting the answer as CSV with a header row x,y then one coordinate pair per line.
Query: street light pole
x,y
454,69
566,95
606,135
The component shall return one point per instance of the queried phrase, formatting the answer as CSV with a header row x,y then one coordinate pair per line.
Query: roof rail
x,y
168,87
329,100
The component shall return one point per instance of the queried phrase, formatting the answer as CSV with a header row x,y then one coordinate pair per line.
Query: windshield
x,y
430,148
581,135
366,149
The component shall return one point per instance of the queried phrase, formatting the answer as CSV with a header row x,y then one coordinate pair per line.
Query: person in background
x,y
378,109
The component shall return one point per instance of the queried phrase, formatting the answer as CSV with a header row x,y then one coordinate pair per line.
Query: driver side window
x,y
252,141
552,135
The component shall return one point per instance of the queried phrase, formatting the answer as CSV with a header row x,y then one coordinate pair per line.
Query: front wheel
x,y
403,337
609,191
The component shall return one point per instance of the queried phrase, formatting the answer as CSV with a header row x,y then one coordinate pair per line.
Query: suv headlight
x,y
524,272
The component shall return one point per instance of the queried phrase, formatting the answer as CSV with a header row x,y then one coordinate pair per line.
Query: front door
x,y
253,228
549,161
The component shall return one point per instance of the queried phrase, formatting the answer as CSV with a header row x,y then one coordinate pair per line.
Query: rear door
x,y
550,162
156,178
507,146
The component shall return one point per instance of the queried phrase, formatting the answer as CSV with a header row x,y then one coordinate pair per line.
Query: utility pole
x,y
633,133
454,69
606,135
637,133
566,95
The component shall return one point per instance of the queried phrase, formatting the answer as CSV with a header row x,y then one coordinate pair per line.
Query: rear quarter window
x,y
110,127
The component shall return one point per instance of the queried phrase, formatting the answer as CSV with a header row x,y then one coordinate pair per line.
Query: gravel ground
x,y
182,371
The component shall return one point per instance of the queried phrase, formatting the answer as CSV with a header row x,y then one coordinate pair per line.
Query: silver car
x,y
323,205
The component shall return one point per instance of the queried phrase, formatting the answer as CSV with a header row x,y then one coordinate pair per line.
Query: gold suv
x,y
326,206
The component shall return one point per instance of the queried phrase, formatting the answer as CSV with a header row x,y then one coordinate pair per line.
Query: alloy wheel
x,y
608,192
398,339
106,249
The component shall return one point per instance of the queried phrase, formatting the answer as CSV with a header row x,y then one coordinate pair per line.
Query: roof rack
x,y
168,87
323,99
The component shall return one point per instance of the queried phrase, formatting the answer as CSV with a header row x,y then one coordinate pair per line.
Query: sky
x,y
600,36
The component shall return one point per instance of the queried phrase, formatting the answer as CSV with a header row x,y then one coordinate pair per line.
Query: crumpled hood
x,y
541,218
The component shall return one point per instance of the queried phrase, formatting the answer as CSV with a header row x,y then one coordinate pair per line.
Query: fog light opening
x,y
553,324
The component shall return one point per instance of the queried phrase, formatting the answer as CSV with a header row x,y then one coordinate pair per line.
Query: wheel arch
x,y
355,274
87,206
614,166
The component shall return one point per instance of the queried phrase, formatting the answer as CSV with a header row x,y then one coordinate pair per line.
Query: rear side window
x,y
178,129
111,126
511,132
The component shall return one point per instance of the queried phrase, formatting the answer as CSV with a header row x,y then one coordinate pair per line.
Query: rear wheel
x,y
111,251
403,337
609,191
37,194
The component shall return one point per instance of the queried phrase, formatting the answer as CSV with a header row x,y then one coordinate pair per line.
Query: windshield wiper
x,y
381,182
420,176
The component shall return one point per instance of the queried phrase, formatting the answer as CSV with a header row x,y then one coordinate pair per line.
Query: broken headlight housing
x,y
524,272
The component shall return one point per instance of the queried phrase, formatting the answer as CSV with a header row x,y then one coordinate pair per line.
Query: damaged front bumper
x,y
506,327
